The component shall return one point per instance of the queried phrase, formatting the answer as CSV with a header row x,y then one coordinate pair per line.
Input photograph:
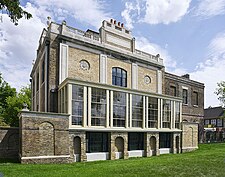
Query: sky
x,y
188,34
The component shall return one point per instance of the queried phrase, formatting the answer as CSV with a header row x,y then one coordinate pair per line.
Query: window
x,y
77,104
33,86
97,142
177,115
173,91
206,122
166,114
137,110
219,122
37,81
152,112
185,96
195,98
119,109
213,121
135,141
164,140
43,71
98,107
119,77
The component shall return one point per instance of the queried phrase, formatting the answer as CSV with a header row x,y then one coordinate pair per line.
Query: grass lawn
x,y
208,160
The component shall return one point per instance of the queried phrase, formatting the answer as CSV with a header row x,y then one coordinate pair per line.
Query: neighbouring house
x,y
214,124
96,97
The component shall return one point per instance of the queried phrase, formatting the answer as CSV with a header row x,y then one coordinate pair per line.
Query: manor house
x,y
95,96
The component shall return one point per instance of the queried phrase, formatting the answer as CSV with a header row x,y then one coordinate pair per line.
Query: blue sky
x,y
188,34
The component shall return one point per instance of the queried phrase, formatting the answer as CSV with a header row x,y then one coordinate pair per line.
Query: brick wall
x,y
44,137
9,142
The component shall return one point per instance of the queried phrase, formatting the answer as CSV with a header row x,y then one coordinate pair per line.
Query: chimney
x,y
118,23
122,25
111,21
187,76
114,22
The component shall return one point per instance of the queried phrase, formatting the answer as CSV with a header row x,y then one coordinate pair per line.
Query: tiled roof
x,y
213,112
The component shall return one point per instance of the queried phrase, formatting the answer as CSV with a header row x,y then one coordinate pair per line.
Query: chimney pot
x,y
118,23
122,25
111,21
114,21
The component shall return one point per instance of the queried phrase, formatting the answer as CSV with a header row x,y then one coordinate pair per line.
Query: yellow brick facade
x,y
74,69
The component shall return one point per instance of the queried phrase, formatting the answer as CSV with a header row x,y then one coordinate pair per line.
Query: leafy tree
x,y
220,91
15,104
5,91
14,10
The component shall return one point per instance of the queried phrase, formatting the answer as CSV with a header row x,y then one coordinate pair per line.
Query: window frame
x,y
119,77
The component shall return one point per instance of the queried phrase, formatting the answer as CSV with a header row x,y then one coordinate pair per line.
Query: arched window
x,y
119,77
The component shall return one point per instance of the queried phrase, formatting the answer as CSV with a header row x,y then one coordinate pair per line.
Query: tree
x,y
220,91
14,10
15,104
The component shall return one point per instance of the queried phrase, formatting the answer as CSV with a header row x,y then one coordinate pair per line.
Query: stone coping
x,y
43,114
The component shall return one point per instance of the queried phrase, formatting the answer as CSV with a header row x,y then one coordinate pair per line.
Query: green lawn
x,y
209,160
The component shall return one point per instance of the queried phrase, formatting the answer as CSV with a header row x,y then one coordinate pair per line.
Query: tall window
x,y
219,122
185,96
195,98
98,107
77,104
97,142
137,110
152,112
173,91
166,113
119,77
43,71
119,109
37,81
177,115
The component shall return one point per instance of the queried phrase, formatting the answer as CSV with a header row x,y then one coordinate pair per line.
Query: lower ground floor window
x,y
135,141
165,140
97,142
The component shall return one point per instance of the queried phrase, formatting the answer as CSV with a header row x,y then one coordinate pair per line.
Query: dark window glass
x,y
166,113
137,110
177,115
37,81
43,71
173,91
152,112
119,77
164,140
135,141
185,96
195,98
77,105
98,107
119,109
96,142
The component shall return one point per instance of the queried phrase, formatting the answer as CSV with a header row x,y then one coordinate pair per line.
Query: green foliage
x,y
209,160
5,91
13,9
15,104
220,92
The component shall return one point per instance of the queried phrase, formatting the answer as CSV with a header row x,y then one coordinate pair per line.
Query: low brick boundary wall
x,y
9,142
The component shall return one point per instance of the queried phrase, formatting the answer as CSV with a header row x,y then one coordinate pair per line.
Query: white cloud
x,y
212,70
18,46
209,8
154,12
91,12
154,49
